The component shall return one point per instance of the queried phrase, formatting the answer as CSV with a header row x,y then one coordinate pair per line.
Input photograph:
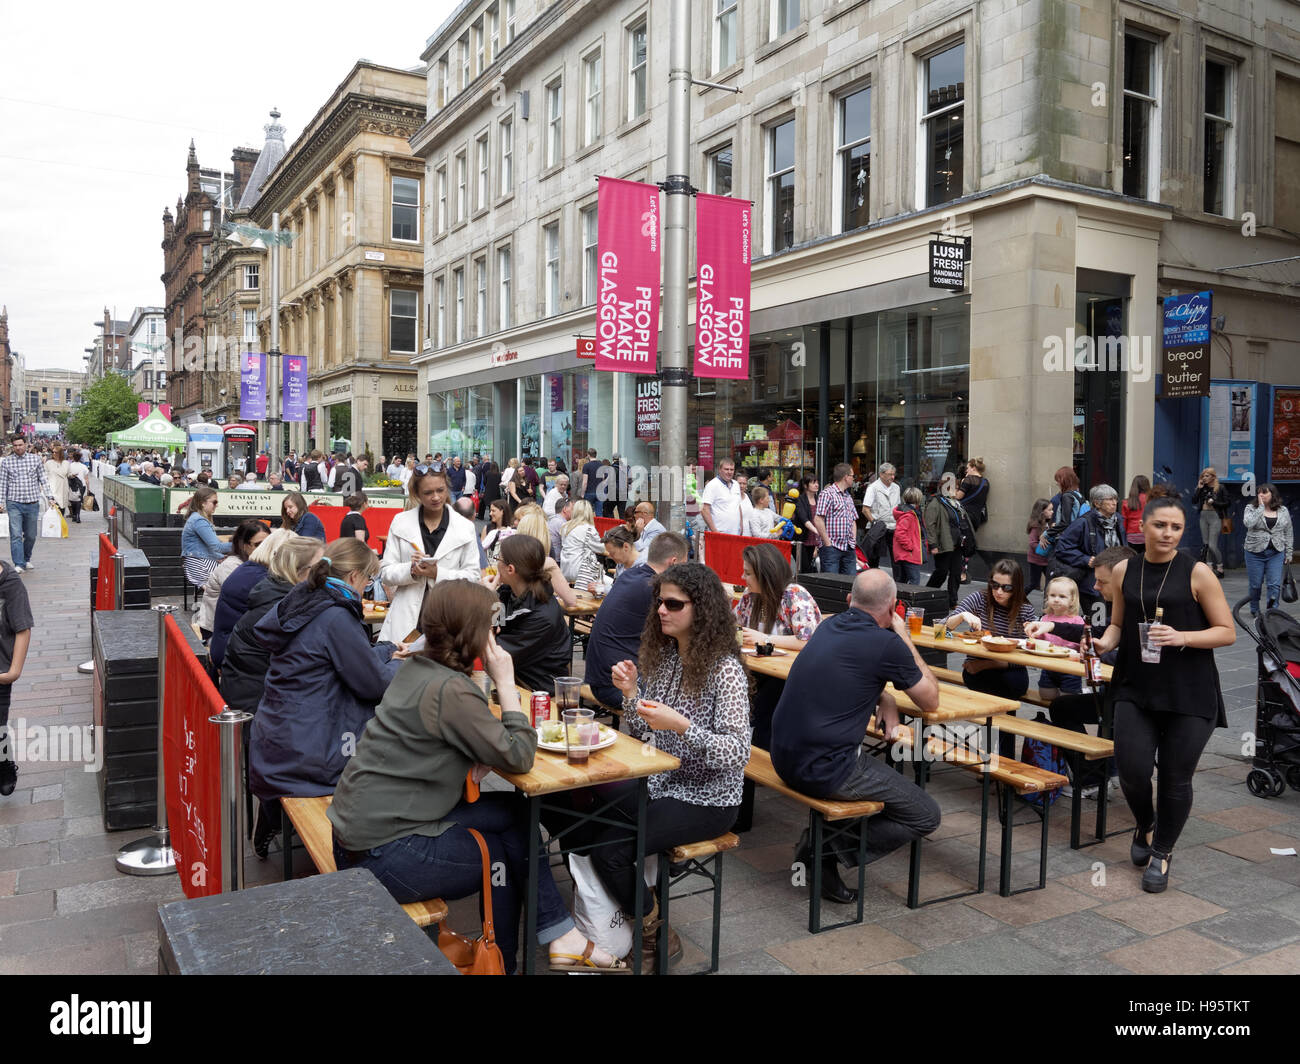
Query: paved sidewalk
x,y
1231,905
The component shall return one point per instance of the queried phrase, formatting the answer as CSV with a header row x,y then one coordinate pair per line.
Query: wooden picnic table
x,y
627,759
958,645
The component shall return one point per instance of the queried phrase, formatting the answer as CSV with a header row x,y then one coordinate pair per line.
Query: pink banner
x,y
722,286
627,247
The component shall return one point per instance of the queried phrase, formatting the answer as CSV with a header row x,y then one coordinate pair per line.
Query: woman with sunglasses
x,y
691,697
1002,610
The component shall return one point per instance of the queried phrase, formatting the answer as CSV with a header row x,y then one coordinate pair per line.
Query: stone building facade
x,y
7,404
1099,154
351,282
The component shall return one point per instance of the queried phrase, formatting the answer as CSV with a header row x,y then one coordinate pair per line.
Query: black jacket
x,y
243,670
1218,498
537,637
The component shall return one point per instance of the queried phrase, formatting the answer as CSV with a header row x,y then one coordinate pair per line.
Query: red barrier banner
x,y
105,592
627,279
723,234
192,761
722,554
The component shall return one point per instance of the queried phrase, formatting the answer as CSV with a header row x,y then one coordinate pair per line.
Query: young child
x,y
1039,518
15,637
1061,603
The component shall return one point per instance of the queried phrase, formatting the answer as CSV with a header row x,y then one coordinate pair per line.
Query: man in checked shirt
x,y
22,488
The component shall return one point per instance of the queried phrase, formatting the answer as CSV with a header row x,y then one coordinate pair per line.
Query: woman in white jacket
x,y
428,543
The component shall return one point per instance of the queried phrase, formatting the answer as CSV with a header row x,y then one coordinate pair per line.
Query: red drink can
x,y
541,708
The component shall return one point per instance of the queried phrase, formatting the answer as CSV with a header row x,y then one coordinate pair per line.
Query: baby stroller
x,y
1277,702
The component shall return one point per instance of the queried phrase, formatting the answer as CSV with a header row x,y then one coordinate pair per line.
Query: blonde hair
x,y
292,555
1075,609
262,552
532,522
582,515
341,558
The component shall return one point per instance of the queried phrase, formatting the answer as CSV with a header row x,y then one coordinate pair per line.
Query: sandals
x,y
572,962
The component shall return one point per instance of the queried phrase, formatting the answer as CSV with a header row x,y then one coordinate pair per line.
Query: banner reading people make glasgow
x,y
295,388
252,387
627,297
723,233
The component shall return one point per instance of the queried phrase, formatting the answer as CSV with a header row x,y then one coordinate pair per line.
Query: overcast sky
x,y
97,108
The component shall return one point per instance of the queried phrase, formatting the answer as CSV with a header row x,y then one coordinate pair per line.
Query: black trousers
x,y
883,546
1144,736
767,693
947,567
1073,712
7,746
1011,682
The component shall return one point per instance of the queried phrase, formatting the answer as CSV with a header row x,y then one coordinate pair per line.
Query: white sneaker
x,y
19,569
30,565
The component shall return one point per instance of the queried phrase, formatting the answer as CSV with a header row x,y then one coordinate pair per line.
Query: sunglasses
x,y
1001,587
671,604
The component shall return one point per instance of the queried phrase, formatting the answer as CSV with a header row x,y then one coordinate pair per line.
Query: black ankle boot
x,y
1156,878
8,778
833,888
1140,849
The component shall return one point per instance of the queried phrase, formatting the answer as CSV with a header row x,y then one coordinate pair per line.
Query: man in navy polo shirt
x,y
616,629
836,683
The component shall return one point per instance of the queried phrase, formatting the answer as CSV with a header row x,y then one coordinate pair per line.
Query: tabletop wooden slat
x,y
926,641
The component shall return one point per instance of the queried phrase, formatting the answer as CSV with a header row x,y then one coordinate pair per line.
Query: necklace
x,y
1142,600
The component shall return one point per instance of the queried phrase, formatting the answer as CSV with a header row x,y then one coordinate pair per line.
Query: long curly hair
x,y
713,633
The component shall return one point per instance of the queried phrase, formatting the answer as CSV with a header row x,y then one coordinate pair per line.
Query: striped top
x,y
977,603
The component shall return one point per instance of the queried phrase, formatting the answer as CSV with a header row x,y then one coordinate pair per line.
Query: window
x,y
780,186
718,166
441,219
458,311
724,34
252,280
207,219
403,315
207,257
462,186
785,17
510,20
589,271
853,160
480,296
494,34
482,189
1140,107
443,94
551,242
406,209
943,107
591,89
440,309
463,46
479,59
554,123
250,325
1286,152
1219,139
506,175
505,307
636,70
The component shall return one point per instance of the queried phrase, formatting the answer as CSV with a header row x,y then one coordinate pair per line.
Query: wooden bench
x,y
308,819
693,860
851,816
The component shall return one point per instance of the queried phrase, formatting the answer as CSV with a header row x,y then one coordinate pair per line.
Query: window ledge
x,y
590,149
636,123
506,198
480,213
784,41
551,171
843,7
734,71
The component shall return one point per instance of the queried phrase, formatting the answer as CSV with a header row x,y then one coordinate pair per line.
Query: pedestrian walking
x,y
1211,503
1269,542
78,484
23,488
15,637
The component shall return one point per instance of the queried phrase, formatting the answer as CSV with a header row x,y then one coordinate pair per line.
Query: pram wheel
x,y
1265,783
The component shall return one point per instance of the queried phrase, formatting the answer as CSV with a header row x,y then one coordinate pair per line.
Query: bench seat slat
x,y
760,770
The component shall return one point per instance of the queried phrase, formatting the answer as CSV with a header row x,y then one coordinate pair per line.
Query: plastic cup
x,y
568,692
915,619
1150,652
578,725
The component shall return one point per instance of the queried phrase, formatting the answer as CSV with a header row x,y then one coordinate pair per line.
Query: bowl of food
x,y
999,643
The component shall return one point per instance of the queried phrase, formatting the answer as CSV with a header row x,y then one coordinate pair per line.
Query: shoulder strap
x,y
489,933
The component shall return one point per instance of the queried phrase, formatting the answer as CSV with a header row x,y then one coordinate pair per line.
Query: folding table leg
x,y
1004,884
1075,761
665,889
286,836
717,912
815,902
1042,854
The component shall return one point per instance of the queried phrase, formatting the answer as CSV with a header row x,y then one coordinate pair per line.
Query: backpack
x,y
1061,521
1043,755
963,534
75,487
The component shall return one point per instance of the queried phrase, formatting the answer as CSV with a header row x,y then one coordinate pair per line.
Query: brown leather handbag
x,y
476,956
1228,526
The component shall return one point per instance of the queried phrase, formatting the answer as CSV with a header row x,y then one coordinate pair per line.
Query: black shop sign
x,y
948,258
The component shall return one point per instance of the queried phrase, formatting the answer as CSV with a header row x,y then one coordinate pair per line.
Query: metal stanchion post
x,y
231,723
119,584
153,854
112,528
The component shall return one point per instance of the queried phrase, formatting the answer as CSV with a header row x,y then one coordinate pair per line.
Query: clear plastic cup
x,y
578,726
1150,651
568,692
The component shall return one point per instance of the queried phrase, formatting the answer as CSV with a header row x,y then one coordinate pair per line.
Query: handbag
x,y
1227,526
1289,593
476,956
90,503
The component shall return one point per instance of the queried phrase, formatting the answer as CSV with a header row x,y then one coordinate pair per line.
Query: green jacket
x,y
938,526
410,765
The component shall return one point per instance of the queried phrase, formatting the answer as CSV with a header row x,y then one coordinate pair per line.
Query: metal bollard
x,y
119,584
153,855
112,528
231,725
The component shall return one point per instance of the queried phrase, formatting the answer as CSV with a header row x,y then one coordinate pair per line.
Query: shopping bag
x,y
90,503
63,527
595,913
4,526
50,524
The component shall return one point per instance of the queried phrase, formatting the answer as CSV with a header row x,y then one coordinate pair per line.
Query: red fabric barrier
x,y
604,524
722,554
331,517
192,761
378,519
105,593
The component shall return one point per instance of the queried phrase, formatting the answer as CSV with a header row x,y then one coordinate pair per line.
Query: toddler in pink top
x,y
1061,603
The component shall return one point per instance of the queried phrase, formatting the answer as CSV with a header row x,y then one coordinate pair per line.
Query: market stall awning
x,y
153,431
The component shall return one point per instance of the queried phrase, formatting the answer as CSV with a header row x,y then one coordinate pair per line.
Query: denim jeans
x,y
835,560
24,528
907,572
909,812
449,866
1264,568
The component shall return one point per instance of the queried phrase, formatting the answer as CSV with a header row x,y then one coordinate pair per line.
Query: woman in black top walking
x,y
1167,697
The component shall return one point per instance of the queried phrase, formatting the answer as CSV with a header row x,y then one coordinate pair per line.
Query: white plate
x,y
1060,652
608,738
777,652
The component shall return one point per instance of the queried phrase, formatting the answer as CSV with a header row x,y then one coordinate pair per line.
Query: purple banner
x,y
295,388
252,387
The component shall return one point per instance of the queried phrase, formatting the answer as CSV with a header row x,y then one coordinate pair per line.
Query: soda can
x,y
541,708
